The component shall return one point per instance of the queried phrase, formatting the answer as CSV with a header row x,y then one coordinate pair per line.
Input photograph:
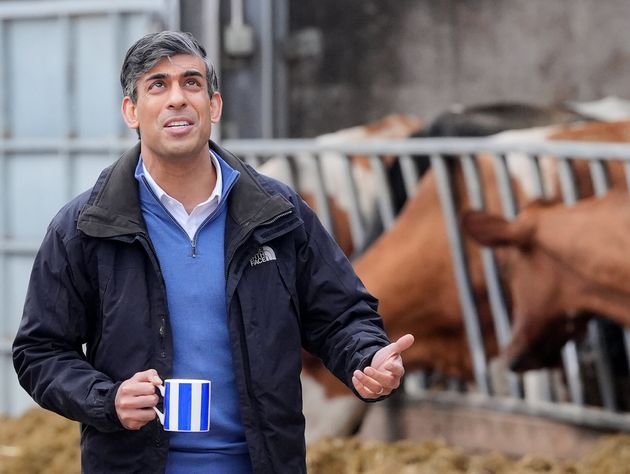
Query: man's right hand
x,y
136,398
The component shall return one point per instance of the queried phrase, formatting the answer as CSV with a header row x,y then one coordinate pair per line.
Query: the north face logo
x,y
264,254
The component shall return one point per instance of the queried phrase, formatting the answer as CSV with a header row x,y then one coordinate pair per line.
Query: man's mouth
x,y
178,123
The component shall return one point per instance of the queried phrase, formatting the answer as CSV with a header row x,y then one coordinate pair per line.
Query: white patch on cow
x,y
520,166
333,165
328,417
608,109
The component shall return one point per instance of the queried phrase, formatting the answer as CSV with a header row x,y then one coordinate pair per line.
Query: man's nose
x,y
176,97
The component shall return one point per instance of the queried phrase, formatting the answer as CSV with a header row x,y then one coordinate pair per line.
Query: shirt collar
x,y
165,199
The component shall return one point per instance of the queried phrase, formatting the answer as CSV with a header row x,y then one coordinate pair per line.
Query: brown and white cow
x,y
409,269
560,264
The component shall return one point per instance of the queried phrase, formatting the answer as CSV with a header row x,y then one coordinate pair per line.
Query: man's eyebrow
x,y
192,72
163,75
157,75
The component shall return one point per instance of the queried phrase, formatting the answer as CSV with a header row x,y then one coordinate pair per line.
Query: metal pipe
x,y
444,146
236,13
467,301
500,313
267,69
357,225
508,201
384,195
211,38
44,9
409,174
564,412
321,197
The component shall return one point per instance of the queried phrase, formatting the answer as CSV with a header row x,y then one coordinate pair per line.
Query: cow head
x,y
545,314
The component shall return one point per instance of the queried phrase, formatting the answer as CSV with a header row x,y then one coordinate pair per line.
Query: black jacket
x,y
96,313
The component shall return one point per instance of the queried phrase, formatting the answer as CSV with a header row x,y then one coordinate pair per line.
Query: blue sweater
x,y
195,288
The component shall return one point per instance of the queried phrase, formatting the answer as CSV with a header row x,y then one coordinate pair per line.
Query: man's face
x,y
173,110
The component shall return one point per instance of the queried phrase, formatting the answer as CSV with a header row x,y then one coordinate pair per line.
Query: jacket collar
x,y
113,208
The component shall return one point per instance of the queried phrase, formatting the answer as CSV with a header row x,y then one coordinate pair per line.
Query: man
x,y
184,262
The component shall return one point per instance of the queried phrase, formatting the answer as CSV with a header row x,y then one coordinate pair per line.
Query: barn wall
x,y
420,56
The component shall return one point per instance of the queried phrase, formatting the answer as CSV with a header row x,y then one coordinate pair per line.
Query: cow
x,y
561,265
409,269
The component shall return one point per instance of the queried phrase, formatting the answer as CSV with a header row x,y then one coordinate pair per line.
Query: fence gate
x,y
59,126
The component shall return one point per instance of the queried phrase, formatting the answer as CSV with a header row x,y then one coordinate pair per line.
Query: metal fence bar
x,y
570,357
508,201
537,174
4,130
498,307
384,195
428,146
409,174
564,412
5,345
357,225
604,371
43,9
539,380
469,310
321,197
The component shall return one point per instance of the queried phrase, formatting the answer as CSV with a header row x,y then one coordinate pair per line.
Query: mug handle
x,y
159,414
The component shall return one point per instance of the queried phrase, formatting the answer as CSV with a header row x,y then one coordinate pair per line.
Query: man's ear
x,y
129,113
216,107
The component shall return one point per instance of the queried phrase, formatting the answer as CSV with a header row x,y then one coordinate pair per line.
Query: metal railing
x,y
440,152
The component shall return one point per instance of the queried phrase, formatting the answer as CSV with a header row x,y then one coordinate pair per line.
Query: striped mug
x,y
186,405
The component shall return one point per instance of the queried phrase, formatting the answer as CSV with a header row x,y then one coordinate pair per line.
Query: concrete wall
x,y
420,56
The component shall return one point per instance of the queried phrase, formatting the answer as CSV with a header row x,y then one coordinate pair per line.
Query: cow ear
x,y
493,230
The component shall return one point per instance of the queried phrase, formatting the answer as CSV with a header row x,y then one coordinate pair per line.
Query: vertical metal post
x,y
4,127
323,207
267,69
5,402
500,313
211,38
605,376
171,15
540,378
384,195
67,113
469,310
357,225
570,357
119,128
410,174
281,81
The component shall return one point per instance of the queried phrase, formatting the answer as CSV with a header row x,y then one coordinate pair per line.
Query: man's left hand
x,y
383,376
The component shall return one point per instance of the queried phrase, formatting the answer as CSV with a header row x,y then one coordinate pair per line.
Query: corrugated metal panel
x,y
59,67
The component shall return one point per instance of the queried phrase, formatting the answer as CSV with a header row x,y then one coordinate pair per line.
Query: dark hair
x,y
151,49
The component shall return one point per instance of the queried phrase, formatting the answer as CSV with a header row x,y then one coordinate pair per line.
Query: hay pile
x,y
42,442
39,442
352,456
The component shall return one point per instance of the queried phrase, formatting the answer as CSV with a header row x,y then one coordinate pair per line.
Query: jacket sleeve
x,y
48,348
340,323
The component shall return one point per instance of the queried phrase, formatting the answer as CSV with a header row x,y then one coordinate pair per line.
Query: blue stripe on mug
x,y
167,408
205,405
185,395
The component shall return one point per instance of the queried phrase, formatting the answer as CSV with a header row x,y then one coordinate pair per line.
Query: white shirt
x,y
189,222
